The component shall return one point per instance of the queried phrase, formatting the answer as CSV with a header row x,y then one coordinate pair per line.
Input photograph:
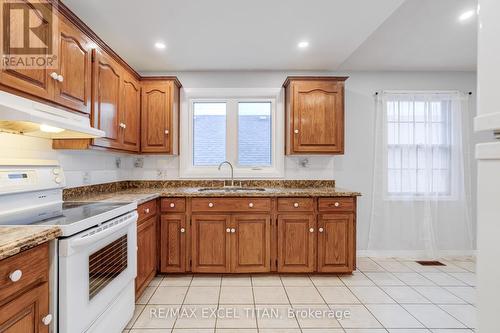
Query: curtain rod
x,y
420,91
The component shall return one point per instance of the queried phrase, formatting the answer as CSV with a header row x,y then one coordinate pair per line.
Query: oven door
x,y
95,267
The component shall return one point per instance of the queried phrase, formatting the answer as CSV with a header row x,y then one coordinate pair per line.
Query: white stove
x,y
93,262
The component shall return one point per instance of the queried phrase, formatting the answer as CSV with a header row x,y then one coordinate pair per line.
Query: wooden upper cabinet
x,y
73,85
314,115
210,246
107,78
250,243
160,116
130,114
173,243
296,243
336,245
36,82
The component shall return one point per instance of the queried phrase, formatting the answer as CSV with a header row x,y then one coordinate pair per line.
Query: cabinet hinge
x,y
92,57
190,264
190,222
276,262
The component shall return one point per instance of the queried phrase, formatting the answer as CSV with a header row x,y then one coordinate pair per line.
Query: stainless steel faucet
x,y
232,171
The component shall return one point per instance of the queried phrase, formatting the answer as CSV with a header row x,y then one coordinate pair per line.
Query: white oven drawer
x,y
94,268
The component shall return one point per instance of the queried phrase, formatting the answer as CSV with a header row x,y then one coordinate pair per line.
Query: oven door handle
x,y
104,233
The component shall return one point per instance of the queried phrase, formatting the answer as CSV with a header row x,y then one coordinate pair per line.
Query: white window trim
x,y
230,95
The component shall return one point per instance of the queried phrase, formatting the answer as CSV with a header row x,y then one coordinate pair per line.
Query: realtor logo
x,y
29,34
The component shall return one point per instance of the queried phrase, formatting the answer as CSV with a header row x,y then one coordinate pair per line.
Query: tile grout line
x,y
289,302
362,302
183,300
431,302
147,303
254,304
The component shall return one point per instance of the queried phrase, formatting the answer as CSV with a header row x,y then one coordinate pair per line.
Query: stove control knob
x,y
47,319
56,171
57,180
16,275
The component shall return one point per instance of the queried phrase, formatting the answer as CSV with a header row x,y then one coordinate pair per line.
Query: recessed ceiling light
x,y
160,45
303,44
466,15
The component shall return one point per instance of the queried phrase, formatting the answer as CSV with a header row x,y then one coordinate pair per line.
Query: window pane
x,y
209,133
254,133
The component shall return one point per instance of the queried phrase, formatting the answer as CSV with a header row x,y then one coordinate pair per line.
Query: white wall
x,y
352,170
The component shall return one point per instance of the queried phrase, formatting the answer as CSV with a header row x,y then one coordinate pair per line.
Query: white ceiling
x,y
421,35
263,34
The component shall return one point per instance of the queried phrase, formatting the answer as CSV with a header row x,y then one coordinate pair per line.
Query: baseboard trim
x,y
416,254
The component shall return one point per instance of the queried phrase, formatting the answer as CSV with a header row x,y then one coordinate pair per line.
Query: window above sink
x,y
224,124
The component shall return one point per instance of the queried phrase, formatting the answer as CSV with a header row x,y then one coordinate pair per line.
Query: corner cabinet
x,y
314,108
160,116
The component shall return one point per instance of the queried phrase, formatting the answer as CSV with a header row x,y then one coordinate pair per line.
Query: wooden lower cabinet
x,y
296,243
24,304
294,235
210,235
173,240
25,313
146,254
250,243
336,243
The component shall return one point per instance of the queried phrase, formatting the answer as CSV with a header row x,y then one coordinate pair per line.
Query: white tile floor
x,y
385,295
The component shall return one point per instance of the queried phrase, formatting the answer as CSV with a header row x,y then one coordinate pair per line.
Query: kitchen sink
x,y
231,189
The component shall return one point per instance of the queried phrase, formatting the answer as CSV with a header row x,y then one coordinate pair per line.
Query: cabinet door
x,y
173,243
156,118
130,113
296,243
75,69
33,81
318,117
250,243
210,243
107,77
24,313
146,254
336,243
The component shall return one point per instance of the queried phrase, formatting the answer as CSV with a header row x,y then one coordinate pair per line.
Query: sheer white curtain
x,y
421,199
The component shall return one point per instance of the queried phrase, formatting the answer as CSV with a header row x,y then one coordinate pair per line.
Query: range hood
x,y
20,115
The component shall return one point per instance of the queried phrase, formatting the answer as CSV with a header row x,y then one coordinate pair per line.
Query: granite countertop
x,y
141,195
15,239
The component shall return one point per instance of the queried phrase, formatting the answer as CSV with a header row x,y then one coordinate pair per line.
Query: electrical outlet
x,y
139,162
161,174
86,177
118,162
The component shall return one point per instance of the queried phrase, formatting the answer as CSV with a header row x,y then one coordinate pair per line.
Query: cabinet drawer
x,y
346,204
33,266
146,210
295,204
231,205
173,205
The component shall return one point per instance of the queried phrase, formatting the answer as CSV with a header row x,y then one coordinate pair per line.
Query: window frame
x,y
232,97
